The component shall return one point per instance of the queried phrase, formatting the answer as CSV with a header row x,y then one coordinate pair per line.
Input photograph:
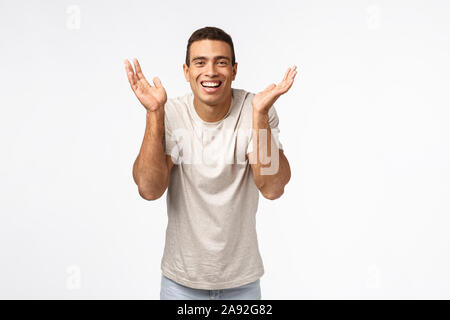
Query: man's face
x,y
210,72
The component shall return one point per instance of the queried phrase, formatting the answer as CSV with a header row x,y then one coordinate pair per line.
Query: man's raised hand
x,y
151,97
264,100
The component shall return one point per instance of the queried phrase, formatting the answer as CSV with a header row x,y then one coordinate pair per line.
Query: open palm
x,y
264,100
151,97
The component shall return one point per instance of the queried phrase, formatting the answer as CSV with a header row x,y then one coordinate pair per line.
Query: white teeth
x,y
210,84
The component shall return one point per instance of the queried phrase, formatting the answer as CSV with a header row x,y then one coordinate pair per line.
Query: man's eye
x,y
199,62
222,62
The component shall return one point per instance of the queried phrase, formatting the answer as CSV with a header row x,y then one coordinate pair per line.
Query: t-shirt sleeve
x,y
171,147
275,131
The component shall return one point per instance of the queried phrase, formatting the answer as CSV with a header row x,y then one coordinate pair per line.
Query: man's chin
x,y
212,101
210,98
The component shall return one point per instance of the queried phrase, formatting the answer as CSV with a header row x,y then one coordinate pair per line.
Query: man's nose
x,y
211,70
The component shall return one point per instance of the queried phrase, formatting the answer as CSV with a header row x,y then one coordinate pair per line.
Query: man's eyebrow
x,y
215,58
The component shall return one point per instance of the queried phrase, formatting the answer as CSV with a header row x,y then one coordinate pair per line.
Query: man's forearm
x,y
150,169
271,172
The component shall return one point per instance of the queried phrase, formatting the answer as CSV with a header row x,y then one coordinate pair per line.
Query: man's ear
x,y
186,72
234,70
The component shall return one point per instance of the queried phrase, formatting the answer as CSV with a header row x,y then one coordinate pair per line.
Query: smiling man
x,y
214,150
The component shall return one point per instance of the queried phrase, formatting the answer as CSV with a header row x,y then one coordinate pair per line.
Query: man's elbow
x,y
149,190
150,195
273,195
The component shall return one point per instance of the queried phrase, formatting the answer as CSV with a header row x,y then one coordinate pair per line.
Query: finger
x,y
289,78
137,66
291,72
132,79
157,82
128,67
290,82
286,85
286,74
294,72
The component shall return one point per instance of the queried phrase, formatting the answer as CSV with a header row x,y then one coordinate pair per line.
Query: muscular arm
x,y
270,176
272,172
151,170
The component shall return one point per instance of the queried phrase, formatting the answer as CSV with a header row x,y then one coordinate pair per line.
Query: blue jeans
x,y
171,290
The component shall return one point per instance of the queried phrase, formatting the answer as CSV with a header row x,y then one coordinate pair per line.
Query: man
x,y
211,248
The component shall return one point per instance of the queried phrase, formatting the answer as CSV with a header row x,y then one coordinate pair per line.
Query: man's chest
x,y
212,146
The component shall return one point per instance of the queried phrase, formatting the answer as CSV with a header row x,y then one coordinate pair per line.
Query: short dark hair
x,y
210,33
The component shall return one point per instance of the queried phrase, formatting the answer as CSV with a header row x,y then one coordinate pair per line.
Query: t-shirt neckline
x,y
197,117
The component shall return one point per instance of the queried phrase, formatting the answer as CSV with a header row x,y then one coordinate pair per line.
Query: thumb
x,y
157,82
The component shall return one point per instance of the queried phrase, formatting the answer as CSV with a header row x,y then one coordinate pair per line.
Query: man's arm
x,y
151,170
271,172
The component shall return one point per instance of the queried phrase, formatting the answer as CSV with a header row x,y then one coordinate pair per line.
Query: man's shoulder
x,y
178,105
179,100
242,93
244,99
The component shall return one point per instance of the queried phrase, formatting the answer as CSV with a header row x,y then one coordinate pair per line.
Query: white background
x,y
365,128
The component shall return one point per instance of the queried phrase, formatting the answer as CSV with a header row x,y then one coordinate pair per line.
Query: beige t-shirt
x,y
211,240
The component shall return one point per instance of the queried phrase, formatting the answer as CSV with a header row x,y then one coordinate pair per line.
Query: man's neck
x,y
212,113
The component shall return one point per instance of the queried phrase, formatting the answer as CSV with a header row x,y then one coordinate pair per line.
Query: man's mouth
x,y
211,86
